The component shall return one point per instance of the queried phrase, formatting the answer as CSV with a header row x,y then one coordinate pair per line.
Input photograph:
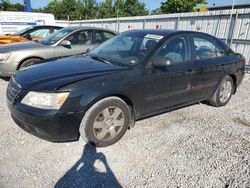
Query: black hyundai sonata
x,y
135,75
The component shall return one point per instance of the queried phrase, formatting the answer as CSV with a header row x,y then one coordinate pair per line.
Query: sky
x,y
150,4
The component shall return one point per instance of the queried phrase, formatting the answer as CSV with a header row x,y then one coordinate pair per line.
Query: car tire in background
x,y
223,93
105,122
29,62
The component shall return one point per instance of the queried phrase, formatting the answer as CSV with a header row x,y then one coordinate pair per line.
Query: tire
x,y
223,93
105,122
29,62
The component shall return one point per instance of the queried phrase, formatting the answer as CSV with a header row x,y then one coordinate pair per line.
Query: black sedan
x,y
134,75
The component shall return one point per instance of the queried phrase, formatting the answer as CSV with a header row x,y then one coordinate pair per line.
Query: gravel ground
x,y
198,146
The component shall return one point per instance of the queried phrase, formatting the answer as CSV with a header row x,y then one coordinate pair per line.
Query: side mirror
x,y
65,43
161,61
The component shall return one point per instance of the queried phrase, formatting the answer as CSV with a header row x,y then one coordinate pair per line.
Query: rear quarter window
x,y
206,48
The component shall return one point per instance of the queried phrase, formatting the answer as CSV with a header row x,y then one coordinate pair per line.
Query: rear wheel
x,y
105,122
29,62
223,93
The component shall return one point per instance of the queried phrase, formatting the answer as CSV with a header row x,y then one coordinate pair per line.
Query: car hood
x,y
56,74
19,46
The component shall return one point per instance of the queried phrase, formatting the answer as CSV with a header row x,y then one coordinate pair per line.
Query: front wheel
x,y
105,122
223,93
29,62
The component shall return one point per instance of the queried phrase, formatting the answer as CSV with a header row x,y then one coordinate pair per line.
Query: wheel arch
x,y
27,58
234,77
123,97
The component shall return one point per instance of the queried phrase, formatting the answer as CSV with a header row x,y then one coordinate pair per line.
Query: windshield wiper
x,y
100,59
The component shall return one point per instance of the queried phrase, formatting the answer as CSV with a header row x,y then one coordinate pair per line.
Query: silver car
x,y
64,42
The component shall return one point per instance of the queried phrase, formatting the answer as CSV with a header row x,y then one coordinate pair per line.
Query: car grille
x,y
12,90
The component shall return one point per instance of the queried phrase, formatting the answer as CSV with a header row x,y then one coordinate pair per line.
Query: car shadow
x,y
85,174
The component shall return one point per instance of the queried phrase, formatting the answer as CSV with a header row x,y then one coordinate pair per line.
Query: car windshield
x,y
128,48
56,36
21,32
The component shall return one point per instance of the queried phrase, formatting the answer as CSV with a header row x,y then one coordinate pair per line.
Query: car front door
x,y
81,42
208,57
170,85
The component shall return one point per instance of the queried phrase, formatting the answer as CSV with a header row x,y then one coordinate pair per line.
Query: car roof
x,y
162,32
75,28
41,26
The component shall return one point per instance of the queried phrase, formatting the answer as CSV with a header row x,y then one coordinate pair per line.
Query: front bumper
x,y
54,128
7,69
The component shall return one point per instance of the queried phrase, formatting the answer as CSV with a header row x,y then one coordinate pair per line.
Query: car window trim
x,y
186,36
78,30
100,30
210,39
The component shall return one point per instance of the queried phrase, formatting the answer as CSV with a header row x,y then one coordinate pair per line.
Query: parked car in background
x,y
65,42
134,75
34,33
14,21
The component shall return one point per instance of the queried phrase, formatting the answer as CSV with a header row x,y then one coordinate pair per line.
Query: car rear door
x,y
101,36
170,85
81,42
208,57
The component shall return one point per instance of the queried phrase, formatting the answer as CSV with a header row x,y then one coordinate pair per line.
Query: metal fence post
x,y
233,29
144,23
177,23
118,25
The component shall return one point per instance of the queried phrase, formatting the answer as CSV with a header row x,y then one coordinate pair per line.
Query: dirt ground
x,y
197,146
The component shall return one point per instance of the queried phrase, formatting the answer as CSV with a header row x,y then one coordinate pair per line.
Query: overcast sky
x,y
151,4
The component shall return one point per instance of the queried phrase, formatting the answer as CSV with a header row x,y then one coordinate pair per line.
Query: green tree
x,y
5,5
75,9
178,6
55,7
156,11
90,9
105,9
134,8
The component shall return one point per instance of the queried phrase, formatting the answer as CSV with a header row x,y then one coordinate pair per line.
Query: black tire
x,y
216,99
87,128
29,62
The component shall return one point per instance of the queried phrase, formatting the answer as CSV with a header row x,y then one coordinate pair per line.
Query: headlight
x,y
52,101
4,57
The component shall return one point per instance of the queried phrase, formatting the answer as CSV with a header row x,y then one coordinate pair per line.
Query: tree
x,y
5,5
85,9
156,11
75,9
178,6
91,9
105,9
55,7
134,8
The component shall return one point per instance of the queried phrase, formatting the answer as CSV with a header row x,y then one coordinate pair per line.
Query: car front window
x,y
56,36
175,49
41,33
128,48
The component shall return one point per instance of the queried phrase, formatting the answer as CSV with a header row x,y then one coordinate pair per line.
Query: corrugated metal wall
x,y
233,27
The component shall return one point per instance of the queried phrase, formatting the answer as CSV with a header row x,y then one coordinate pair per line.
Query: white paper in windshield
x,y
156,37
